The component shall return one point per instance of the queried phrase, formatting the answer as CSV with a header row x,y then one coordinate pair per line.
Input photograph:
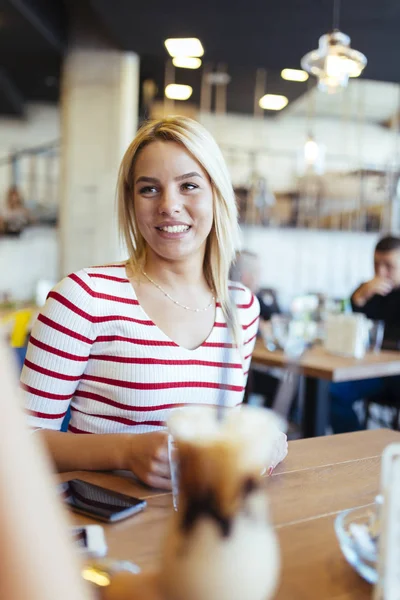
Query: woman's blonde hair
x,y
223,240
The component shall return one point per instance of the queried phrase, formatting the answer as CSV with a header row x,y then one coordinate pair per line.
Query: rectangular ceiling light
x,y
294,75
176,91
184,47
273,102
186,62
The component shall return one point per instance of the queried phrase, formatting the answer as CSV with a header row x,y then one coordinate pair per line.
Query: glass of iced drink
x,y
220,544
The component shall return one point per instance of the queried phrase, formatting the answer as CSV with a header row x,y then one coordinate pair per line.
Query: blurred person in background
x,y
123,344
15,216
247,270
379,300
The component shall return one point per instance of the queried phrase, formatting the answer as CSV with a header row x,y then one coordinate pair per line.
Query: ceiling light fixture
x,y
186,62
311,159
273,102
184,47
334,61
218,78
294,75
176,91
312,152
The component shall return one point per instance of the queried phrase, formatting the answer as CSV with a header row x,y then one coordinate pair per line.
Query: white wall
x,y
25,260
295,261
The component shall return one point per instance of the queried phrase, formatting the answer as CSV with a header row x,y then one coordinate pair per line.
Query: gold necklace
x,y
176,301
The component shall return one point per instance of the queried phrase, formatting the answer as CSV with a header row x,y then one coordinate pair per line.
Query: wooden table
x,y
319,369
319,478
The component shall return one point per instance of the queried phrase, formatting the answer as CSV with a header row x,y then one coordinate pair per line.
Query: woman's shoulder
x,y
108,272
246,302
92,280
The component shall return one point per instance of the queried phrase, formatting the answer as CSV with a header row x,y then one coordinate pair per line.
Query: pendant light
x,y
334,61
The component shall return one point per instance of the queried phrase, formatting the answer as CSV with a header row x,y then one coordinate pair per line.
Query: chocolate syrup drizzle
x,y
207,506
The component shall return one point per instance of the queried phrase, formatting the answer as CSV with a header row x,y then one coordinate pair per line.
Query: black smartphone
x,y
95,501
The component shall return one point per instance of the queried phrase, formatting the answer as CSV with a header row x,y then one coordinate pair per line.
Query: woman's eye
x,y
149,189
189,186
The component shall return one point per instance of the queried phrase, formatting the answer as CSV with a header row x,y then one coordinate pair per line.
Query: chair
x,y
386,401
66,420
270,298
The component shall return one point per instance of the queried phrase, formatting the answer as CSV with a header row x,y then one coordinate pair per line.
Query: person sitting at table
x,y
123,344
378,299
246,270
15,216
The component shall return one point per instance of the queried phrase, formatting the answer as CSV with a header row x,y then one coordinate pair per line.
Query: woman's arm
x,y
86,452
145,454
57,356
58,351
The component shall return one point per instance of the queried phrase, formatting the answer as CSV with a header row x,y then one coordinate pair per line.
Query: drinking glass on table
x,y
376,332
292,335
173,464
218,539
280,329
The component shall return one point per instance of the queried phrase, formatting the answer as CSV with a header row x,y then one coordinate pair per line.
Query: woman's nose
x,y
170,202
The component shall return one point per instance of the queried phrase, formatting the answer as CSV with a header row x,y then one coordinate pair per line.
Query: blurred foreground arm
x,y
38,561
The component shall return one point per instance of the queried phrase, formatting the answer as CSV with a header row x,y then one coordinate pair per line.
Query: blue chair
x,y
20,354
67,418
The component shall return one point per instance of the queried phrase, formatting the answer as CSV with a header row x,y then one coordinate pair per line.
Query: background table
x,y
319,478
319,369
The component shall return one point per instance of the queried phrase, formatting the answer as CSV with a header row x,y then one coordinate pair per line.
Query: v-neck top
x,y
94,349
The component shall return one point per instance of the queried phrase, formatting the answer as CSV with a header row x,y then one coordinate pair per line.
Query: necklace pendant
x,y
176,301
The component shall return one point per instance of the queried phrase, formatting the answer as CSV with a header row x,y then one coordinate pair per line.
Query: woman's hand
x,y
147,457
279,451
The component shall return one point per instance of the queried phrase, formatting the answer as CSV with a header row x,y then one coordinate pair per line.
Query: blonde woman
x,y
124,344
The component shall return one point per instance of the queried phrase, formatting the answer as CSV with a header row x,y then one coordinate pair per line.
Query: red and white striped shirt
x,y
93,347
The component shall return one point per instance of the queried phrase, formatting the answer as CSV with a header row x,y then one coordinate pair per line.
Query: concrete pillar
x,y
99,116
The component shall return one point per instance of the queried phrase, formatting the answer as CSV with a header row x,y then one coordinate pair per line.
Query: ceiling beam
x,y
9,90
43,21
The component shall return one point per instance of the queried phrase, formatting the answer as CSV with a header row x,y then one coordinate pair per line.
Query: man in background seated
x,y
378,299
247,270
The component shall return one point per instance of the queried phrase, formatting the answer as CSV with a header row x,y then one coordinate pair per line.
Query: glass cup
x,y
267,335
280,325
376,332
173,454
218,538
293,335
174,468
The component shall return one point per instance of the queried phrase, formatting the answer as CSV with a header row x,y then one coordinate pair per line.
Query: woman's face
x,y
173,201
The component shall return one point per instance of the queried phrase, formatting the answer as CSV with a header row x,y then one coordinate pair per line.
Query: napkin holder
x,y
346,334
